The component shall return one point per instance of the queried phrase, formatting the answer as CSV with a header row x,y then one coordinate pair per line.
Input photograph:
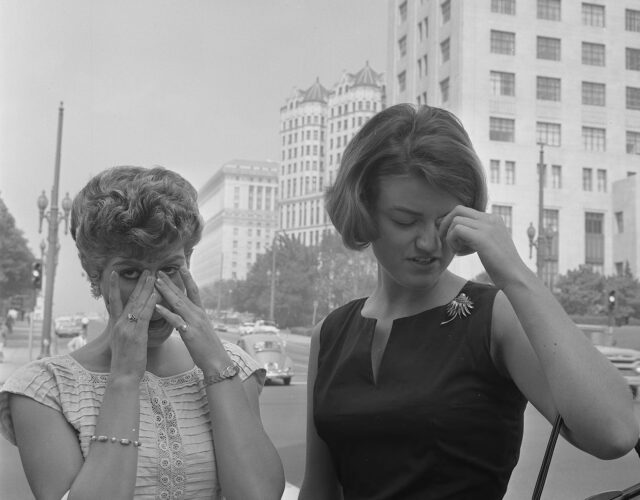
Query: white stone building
x,y
516,72
239,206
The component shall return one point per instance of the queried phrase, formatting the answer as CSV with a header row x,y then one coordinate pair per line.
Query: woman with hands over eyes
x,y
418,390
141,411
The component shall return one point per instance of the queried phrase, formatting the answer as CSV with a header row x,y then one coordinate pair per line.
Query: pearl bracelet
x,y
123,441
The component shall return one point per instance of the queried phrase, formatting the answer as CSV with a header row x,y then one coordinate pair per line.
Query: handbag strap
x,y
546,461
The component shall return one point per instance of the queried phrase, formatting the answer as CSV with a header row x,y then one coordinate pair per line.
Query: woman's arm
x,y
560,371
320,481
248,464
549,358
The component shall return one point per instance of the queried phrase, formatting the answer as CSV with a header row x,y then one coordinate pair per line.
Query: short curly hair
x,y
132,211
402,139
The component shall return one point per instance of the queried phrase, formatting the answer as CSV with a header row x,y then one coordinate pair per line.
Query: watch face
x,y
230,371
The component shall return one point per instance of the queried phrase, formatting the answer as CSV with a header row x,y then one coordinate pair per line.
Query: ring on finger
x,y
183,328
132,317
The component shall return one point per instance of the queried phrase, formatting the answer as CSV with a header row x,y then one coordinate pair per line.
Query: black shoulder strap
x,y
546,461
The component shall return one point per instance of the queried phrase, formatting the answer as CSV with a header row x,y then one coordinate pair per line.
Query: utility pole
x,y
540,249
53,218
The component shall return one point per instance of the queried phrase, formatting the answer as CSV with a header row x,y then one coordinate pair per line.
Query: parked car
x,y
268,349
267,325
246,327
68,326
627,361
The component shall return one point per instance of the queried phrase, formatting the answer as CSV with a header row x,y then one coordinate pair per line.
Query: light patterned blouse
x,y
176,459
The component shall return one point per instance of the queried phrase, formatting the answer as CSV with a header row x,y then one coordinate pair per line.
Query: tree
x,y
342,274
15,257
584,292
581,291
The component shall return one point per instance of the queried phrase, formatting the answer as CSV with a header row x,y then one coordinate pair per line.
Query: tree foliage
x,y
15,257
584,292
309,281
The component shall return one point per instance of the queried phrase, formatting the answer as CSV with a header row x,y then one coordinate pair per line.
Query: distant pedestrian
x,y
78,341
9,321
4,331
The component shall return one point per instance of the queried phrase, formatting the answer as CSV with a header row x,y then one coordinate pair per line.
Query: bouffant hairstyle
x,y
402,140
132,211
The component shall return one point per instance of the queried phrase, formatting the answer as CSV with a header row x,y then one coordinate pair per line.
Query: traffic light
x,y
612,300
37,275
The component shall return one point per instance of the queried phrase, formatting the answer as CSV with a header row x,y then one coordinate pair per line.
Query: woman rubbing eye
x,y
142,412
418,391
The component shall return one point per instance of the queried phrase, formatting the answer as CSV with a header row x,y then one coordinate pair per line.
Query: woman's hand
x,y
467,230
187,315
129,325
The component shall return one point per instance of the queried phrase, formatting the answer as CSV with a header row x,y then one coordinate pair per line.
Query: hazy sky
x,y
185,84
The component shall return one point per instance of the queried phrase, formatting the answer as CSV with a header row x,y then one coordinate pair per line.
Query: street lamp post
x,y
545,235
53,218
272,293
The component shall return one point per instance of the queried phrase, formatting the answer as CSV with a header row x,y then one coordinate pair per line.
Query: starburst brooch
x,y
460,307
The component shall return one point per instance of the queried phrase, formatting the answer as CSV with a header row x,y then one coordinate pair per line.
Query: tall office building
x,y
238,204
315,126
563,73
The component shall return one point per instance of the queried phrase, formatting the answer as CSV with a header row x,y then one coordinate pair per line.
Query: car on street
x,y
627,361
268,349
68,326
246,327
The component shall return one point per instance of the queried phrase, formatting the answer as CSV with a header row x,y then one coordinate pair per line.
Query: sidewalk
x,y
16,349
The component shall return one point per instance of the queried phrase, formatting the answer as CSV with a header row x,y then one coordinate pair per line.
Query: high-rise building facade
x,y
315,126
239,207
561,73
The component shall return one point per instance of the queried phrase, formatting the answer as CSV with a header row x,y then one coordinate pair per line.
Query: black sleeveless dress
x,y
440,422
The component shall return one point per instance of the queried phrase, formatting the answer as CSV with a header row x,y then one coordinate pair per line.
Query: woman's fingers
x,y
172,318
115,301
173,295
190,286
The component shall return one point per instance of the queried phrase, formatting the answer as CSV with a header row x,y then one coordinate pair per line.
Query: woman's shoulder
x,y
48,381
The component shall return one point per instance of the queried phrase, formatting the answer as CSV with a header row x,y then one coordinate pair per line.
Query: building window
x,y
633,143
593,94
509,172
504,7
632,20
548,48
402,46
548,89
402,11
594,139
548,133
549,9
593,15
445,7
587,179
502,129
593,54
420,30
594,240
502,84
556,176
444,89
424,63
494,171
402,81
619,216
503,42
633,97
601,180
505,212
632,59
445,50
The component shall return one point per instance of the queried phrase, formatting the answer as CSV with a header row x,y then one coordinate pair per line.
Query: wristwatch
x,y
226,373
